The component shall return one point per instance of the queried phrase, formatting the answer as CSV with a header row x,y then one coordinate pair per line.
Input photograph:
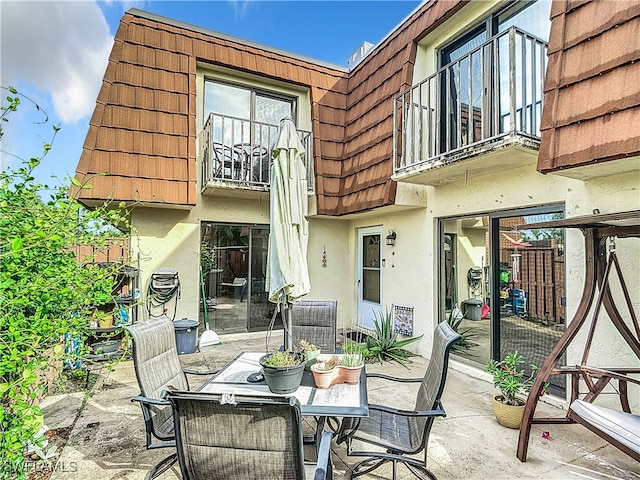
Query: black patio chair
x,y
157,367
401,433
241,437
314,321
229,162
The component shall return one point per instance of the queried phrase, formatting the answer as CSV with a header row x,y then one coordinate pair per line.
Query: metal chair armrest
x,y
393,379
437,412
323,465
191,371
149,401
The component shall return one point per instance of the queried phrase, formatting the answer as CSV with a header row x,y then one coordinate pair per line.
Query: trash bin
x,y
186,335
472,309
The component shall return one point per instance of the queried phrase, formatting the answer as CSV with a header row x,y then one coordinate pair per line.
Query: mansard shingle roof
x,y
143,131
592,92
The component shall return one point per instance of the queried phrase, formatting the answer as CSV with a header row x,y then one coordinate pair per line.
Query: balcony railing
x,y
237,151
492,92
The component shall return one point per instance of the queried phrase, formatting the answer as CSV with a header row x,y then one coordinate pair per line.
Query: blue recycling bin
x,y
520,298
186,335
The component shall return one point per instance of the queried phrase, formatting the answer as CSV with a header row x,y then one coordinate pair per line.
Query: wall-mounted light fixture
x,y
391,238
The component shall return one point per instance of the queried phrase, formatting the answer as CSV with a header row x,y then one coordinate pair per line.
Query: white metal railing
x,y
495,90
236,150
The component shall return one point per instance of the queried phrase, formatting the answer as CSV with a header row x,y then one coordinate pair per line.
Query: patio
x,y
107,440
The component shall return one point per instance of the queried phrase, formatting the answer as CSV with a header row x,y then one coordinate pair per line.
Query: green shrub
x,y
511,379
455,320
46,292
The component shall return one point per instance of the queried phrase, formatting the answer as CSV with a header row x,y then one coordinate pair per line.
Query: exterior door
x,y
369,276
450,266
259,306
234,263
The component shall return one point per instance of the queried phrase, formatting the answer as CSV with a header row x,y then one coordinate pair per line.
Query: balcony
x,y
236,155
473,113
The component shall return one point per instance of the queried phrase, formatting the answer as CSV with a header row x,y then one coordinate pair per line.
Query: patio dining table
x,y
339,400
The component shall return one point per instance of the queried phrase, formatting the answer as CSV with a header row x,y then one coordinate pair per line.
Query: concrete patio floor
x,y
107,440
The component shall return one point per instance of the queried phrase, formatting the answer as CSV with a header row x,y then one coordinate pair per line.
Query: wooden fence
x,y
117,250
541,276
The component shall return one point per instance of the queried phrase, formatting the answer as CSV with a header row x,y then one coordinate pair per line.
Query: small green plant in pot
x,y
352,360
511,379
283,371
350,367
324,370
310,352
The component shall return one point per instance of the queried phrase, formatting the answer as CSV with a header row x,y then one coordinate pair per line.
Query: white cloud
x,y
240,7
59,47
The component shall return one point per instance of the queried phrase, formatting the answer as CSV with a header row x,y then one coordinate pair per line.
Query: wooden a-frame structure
x,y
601,263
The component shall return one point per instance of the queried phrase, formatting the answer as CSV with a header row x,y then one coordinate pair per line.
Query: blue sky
x,y
56,52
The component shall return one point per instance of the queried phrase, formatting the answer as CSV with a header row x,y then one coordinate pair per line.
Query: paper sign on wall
x,y
403,320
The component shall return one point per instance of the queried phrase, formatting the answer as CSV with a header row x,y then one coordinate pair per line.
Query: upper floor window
x,y
530,16
244,115
246,103
488,86
241,124
465,85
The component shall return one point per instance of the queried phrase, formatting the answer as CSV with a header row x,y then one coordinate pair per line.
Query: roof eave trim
x,y
212,33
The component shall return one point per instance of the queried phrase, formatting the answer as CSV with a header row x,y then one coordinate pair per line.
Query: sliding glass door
x,y
503,285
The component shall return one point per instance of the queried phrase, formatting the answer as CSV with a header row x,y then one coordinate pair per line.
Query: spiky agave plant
x,y
384,343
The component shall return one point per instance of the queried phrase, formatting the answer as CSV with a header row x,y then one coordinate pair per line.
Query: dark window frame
x,y
254,92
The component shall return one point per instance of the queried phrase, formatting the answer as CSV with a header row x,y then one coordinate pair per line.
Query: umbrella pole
x,y
285,313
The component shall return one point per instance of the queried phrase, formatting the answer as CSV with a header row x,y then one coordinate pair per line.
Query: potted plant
x,y
310,352
101,319
351,363
511,380
105,347
324,370
283,371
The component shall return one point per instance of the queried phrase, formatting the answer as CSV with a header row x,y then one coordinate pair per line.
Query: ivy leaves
x,y
45,292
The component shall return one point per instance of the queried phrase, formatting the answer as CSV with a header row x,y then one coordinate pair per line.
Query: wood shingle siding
x,y
144,123
592,93
143,131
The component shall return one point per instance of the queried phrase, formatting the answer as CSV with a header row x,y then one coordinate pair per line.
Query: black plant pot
x,y
281,380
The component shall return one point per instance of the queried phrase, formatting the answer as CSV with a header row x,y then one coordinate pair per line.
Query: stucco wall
x,y
333,281
170,238
167,238
607,194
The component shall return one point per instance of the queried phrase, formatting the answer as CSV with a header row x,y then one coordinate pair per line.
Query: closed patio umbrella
x,y
288,275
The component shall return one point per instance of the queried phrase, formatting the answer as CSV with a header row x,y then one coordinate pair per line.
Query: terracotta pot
x,y
350,375
508,415
323,378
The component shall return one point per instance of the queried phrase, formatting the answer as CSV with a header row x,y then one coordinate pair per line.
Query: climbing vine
x,y
45,293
